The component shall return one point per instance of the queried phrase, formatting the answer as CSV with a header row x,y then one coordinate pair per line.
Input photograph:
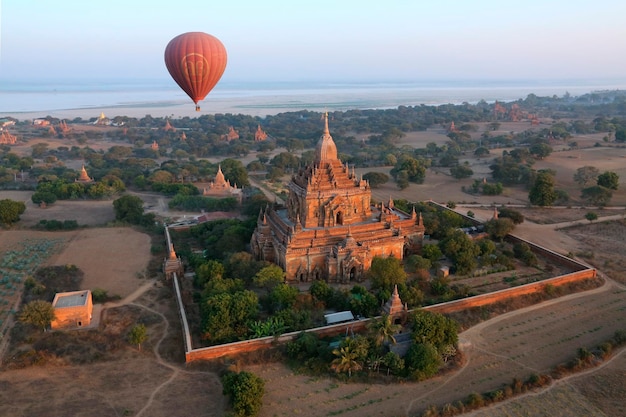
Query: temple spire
x,y
326,149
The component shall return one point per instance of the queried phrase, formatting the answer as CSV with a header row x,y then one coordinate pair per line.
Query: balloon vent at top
x,y
196,61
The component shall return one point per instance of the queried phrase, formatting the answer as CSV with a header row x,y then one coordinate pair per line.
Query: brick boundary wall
x,y
581,272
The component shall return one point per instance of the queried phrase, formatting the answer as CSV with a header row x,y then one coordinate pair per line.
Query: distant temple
x,y
83,176
102,120
220,187
259,135
231,135
329,230
168,127
7,139
154,146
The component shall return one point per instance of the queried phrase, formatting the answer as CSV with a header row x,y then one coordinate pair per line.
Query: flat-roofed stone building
x,y
329,228
72,309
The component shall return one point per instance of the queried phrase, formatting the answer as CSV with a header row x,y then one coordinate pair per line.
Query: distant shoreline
x,y
86,101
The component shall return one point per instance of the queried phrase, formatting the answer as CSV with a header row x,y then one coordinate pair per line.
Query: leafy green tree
x,y
540,150
433,328
422,361
269,277
591,216
431,252
461,171
499,228
10,211
386,272
413,169
47,197
376,179
393,362
321,291
128,208
462,250
235,172
209,270
38,313
282,297
245,391
509,213
597,195
608,180
585,175
137,335
542,192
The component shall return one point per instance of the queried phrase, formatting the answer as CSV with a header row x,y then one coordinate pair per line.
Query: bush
x,y
245,391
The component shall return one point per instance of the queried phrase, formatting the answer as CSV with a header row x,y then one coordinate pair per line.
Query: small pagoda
x,y
83,177
259,135
172,264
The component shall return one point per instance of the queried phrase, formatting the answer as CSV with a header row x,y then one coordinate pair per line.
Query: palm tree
x,y
384,330
346,360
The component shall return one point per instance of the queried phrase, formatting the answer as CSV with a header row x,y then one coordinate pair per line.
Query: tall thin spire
x,y
326,130
326,149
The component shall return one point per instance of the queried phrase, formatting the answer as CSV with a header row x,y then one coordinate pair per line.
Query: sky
x,y
338,40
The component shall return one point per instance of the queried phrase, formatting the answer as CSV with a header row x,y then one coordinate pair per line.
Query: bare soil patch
x,y
115,259
602,246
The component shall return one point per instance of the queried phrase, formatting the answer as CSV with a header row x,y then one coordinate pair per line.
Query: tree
x,y
10,211
38,313
383,330
128,208
47,197
386,272
269,277
608,180
586,174
540,150
597,195
434,329
246,391
542,192
350,355
461,250
137,335
376,179
422,360
461,171
499,228
514,215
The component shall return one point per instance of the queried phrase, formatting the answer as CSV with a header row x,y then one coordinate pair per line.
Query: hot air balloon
x,y
196,61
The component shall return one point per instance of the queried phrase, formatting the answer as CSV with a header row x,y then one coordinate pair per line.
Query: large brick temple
x,y
329,229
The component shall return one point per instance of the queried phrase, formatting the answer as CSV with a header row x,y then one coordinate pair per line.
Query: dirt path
x,y
176,370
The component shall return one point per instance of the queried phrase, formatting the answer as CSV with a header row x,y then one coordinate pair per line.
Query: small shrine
x,y
220,187
83,176
231,135
259,135
172,264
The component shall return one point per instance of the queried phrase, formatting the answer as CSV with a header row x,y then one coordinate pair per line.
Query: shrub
x,y
246,392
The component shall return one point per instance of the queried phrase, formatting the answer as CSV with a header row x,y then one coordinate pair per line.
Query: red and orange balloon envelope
x,y
196,61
